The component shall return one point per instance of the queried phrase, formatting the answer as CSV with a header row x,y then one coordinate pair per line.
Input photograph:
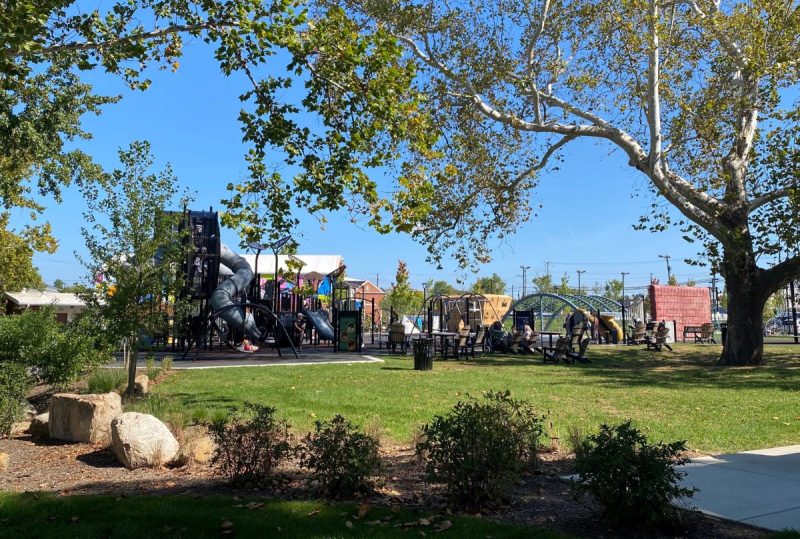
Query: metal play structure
x,y
550,310
230,307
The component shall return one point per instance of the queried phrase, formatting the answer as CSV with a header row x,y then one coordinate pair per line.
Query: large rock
x,y
39,426
30,412
197,446
19,428
141,384
4,462
83,418
142,441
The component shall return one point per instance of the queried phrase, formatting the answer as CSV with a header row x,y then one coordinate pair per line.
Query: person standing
x,y
299,330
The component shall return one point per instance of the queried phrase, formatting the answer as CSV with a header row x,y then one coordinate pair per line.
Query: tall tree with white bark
x,y
699,96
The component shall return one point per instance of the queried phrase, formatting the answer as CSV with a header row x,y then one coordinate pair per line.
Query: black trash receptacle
x,y
423,354
723,328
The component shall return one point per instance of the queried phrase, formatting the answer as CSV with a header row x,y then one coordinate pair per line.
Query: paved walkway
x,y
759,487
228,359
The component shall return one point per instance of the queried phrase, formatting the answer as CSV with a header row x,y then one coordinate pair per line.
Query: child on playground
x,y
247,346
299,330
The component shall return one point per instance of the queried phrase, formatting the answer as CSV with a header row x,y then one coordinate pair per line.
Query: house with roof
x,y
66,305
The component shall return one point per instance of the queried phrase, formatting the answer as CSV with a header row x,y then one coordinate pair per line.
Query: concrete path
x,y
230,360
759,487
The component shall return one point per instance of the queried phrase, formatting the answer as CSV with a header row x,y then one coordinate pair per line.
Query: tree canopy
x,y
700,97
493,284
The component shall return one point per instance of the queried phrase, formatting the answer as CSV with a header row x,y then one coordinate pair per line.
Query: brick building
x,y
686,305
361,289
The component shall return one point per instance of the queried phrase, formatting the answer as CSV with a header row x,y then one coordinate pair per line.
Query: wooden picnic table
x,y
693,330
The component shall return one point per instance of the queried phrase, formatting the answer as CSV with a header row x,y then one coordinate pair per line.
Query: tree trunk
x,y
133,353
744,344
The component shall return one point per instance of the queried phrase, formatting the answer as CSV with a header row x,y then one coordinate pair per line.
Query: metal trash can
x,y
423,354
723,328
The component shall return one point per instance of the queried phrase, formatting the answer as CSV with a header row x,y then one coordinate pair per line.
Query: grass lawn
x,y
45,515
672,395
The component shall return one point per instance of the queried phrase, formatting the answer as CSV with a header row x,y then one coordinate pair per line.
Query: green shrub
x,y
150,365
635,481
106,380
14,385
341,458
250,445
58,353
480,447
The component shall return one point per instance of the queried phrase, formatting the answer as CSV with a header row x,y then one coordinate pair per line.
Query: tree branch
x,y
731,47
130,38
767,198
781,274
543,161
654,100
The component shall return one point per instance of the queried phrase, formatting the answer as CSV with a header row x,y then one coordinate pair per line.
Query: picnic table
x,y
550,346
444,338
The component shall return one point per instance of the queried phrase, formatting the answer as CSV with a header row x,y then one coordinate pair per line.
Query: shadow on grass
x,y
688,366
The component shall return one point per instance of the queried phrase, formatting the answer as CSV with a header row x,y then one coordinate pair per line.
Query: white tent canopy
x,y
316,266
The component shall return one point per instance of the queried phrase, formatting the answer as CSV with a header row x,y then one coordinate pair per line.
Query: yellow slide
x,y
611,323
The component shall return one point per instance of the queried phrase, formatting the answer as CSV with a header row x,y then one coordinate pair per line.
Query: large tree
x,y
698,96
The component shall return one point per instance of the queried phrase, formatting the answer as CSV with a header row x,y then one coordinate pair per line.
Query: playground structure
x,y
230,302
442,312
226,308
548,312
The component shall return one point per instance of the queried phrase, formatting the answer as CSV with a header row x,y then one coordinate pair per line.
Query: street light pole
x,y
669,270
524,280
624,325
579,281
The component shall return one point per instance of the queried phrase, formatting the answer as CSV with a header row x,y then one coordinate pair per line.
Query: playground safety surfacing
x,y
265,357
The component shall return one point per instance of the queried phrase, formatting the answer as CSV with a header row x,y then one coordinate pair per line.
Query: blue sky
x,y
190,118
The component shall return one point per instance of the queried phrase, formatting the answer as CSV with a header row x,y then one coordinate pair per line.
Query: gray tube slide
x,y
229,288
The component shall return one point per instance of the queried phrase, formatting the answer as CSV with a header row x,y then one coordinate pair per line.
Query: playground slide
x,y
611,324
320,322
223,295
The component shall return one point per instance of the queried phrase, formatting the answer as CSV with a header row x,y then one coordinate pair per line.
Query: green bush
x,y
251,445
480,448
14,385
58,353
341,458
635,481
106,380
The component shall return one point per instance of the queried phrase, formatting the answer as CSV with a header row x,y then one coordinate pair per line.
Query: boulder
x,y
4,462
140,384
39,426
142,441
197,446
83,418
30,412
19,428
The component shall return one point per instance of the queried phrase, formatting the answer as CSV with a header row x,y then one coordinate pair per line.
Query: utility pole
x,y
669,270
714,313
547,268
579,281
624,325
794,311
525,280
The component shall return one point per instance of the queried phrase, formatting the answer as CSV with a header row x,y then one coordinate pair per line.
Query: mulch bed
x,y
541,498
